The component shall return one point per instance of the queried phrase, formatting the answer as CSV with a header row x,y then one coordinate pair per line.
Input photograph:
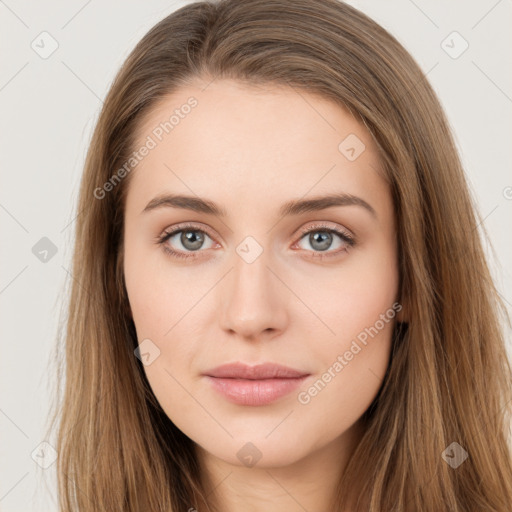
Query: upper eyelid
x,y
184,227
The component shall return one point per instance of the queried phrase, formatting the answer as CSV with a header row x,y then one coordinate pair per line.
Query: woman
x,y
280,300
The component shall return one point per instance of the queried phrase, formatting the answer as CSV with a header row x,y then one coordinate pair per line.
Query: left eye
x,y
321,239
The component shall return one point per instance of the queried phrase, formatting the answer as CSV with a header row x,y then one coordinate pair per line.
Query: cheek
x,y
351,368
154,299
160,317
162,304
359,307
348,299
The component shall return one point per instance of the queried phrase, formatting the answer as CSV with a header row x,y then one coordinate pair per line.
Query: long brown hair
x,y
449,379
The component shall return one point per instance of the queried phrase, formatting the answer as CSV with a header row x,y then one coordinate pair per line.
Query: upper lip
x,y
256,372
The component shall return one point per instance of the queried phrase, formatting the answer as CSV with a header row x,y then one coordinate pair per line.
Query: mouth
x,y
254,385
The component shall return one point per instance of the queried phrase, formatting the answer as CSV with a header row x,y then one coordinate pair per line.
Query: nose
x,y
253,300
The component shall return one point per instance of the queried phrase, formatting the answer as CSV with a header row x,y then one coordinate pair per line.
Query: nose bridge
x,y
252,301
251,270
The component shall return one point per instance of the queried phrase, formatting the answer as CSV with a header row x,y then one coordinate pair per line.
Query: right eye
x,y
189,237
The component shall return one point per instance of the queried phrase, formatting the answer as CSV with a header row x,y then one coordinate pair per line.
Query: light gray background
x,y
49,107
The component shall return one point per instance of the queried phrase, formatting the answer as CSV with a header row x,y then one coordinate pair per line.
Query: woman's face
x,y
266,271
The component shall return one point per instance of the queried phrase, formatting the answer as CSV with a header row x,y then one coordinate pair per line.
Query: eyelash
x,y
349,240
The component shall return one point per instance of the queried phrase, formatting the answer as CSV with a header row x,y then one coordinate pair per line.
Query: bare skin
x,y
250,150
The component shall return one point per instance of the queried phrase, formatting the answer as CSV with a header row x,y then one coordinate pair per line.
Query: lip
x,y
256,385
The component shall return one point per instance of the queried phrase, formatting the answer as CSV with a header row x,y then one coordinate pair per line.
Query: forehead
x,y
241,142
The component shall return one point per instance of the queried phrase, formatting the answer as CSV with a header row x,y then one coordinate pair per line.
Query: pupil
x,y
191,240
325,240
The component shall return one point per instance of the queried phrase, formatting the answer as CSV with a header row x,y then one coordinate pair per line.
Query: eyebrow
x,y
294,207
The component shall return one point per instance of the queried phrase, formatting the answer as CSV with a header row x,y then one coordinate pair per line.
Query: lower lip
x,y
255,392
